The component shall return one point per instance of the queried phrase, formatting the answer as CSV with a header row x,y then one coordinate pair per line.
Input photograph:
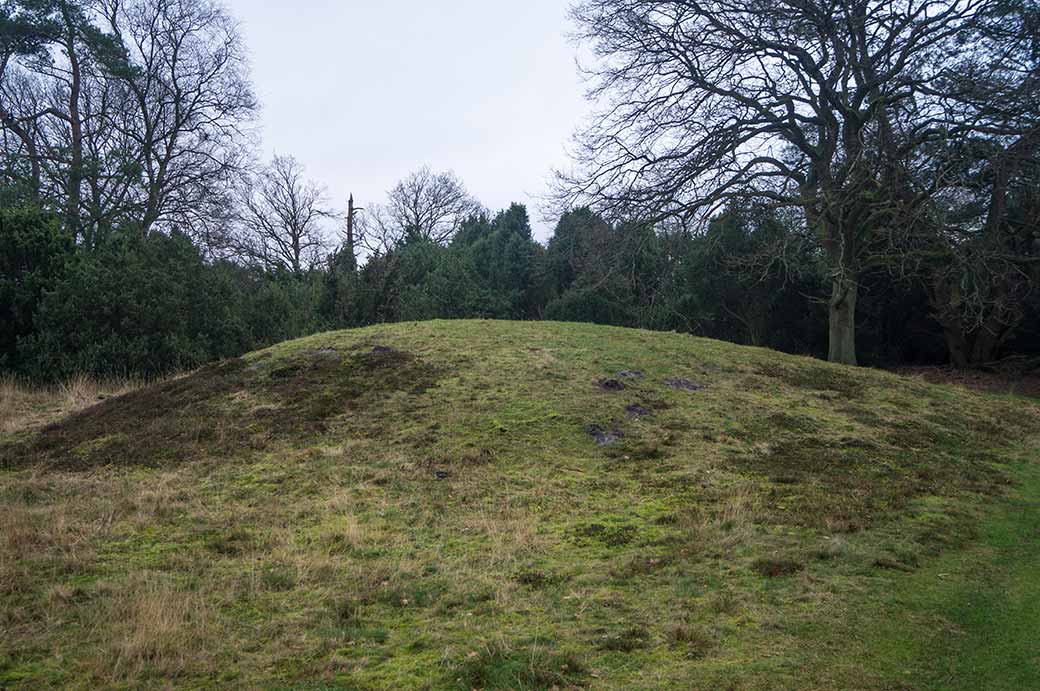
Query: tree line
x,y
843,178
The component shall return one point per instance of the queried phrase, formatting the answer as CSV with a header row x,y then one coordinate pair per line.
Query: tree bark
x,y
990,337
842,321
75,181
956,345
840,246
350,232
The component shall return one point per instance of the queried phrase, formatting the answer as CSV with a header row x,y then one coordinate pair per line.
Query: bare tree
x,y
375,232
973,245
21,145
429,206
27,33
191,100
133,113
976,249
280,223
802,103
44,93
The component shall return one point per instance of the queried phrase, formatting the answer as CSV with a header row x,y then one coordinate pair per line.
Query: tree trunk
x,y
840,243
990,337
350,232
74,186
956,345
971,350
970,344
842,321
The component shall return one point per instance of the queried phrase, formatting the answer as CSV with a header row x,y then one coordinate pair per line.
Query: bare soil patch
x,y
978,380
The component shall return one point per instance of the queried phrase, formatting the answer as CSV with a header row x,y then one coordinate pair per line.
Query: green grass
x,y
979,603
427,506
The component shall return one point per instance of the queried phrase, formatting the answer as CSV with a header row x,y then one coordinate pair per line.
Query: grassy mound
x,y
501,505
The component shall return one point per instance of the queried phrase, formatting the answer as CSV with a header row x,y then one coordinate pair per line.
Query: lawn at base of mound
x,y
969,619
503,505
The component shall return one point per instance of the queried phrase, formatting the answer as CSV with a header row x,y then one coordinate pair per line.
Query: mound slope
x,y
491,505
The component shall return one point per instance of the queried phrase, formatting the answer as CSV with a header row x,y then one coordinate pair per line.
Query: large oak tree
x,y
820,105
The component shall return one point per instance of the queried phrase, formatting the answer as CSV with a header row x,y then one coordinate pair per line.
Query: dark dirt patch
x,y
382,350
1001,382
630,374
637,411
773,567
612,385
683,384
603,436
222,409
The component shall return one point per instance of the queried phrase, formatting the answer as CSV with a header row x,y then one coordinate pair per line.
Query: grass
x,y
430,506
980,602
25,406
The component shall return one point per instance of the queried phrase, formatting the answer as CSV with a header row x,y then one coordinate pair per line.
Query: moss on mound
x,y
468,504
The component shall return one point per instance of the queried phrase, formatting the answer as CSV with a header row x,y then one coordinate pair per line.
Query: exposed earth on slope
x,y
991,382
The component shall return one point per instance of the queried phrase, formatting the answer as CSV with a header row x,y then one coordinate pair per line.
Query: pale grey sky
x,y
362,93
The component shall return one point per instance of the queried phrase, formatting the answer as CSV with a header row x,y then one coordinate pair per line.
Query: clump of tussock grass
x,y
624,640
727,520
694,640
501,665
158,628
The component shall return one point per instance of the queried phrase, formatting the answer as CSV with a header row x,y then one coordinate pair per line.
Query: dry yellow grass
x,y
24,406
160,626
728,521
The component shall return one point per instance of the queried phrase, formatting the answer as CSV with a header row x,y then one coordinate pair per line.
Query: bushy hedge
x,y
144,306
33,252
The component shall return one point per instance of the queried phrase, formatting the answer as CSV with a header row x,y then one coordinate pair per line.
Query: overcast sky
x,y
364,92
